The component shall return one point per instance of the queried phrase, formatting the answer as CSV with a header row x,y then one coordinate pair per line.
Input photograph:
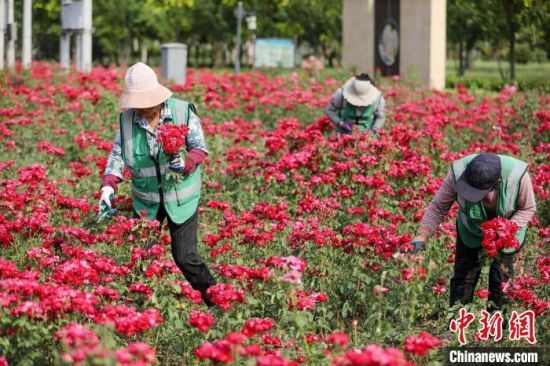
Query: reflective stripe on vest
x,y
170,196
513,183
126,134
147,172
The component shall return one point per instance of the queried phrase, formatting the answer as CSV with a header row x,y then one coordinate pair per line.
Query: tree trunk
x,y
469,59
512,56
500,70
123,55
144,52
510,12
197,48
461,58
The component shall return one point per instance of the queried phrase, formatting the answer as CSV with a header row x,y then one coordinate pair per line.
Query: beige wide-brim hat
x,y
360,93
142,89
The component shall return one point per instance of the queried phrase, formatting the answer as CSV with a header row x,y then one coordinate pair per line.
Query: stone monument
x,y
396,37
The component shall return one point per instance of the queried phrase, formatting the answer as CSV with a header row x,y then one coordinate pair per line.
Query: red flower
x,y
338,338
372,355
201,321
172,137
220,351
257,325
498,234
421,344
224,294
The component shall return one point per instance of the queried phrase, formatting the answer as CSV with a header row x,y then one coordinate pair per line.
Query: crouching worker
x,y
358,104
484,186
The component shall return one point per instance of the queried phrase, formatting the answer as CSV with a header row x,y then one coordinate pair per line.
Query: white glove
x,y
177,163
107,193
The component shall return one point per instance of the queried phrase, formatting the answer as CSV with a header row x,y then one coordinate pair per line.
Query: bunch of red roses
x,y
499,234
172,137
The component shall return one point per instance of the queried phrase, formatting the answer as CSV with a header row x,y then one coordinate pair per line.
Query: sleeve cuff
x,y
422,234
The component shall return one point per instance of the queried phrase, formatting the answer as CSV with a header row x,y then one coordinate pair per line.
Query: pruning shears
x,y
105,212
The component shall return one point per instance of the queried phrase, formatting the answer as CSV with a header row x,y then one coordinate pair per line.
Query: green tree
x,y
465,27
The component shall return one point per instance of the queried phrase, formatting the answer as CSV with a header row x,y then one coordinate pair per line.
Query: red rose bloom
x,y
172,137
499,234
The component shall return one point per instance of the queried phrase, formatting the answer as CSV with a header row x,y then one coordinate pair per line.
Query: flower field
x,y
306,232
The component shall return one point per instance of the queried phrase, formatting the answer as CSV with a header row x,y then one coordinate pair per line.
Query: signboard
x,y
274,52
72,16
386,37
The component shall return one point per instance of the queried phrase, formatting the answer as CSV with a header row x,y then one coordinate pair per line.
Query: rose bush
x,y
303,228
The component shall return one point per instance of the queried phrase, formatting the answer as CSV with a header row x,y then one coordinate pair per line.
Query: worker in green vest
x,y
484,186
146,104
357,105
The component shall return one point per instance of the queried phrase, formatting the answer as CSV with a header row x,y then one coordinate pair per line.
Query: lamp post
x,y
2,31
86,62
240,13
12,36
26,57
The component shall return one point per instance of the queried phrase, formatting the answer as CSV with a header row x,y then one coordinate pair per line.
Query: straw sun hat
x,y
360,93
142,89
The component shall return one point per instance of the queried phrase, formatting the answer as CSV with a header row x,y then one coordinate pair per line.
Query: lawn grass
x,y
486,74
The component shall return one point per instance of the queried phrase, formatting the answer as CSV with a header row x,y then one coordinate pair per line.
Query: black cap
x,y
481,174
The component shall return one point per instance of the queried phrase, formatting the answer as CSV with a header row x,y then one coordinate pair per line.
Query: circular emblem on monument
x,y
388,44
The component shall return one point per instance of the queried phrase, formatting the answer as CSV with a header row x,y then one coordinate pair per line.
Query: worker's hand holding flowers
x,y
172,139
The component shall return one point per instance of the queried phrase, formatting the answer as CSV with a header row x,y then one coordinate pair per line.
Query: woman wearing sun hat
x,y
358,104
145,104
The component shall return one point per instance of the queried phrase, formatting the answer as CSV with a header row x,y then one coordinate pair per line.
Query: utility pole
x,y
2,32
86,50
64,38
12,36
78,52
27,34
65,50
239,13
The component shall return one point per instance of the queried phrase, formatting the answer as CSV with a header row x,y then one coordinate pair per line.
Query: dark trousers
x,y
467,270
186,256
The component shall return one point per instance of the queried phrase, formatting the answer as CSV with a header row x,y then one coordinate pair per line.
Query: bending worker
x,y
484,186
146,104
358,104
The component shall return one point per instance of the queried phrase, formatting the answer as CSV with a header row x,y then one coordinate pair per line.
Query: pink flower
x,y
137,353
482,293
292,276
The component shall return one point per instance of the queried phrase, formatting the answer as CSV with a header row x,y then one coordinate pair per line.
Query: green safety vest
x,y
149,184
472,214
366,119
